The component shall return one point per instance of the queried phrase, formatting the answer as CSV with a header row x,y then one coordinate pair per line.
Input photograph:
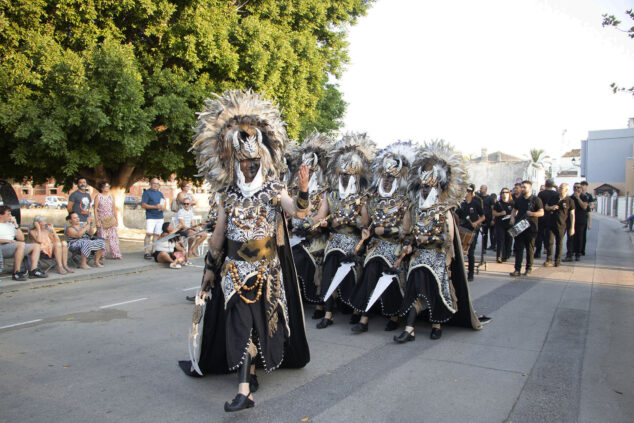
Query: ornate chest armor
x,y
346,236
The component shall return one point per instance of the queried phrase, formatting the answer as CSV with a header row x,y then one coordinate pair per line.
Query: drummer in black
x,y
528,207
562,217
502,214
471,216
487,206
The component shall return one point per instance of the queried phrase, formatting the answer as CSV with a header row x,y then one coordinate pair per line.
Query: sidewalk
x,y
132,262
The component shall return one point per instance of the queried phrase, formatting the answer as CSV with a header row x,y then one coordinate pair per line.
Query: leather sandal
x,y
359,327
240,402
436,333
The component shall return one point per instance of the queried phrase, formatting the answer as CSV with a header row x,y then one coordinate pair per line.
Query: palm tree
x,y
538,157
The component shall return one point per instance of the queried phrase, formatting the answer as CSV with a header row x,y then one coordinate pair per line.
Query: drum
x,y
519,227
466,237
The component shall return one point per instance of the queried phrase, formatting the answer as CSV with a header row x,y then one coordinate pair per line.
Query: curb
x,y
11,285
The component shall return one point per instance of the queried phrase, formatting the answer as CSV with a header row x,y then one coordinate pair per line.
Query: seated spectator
x,y
12,245
630,222
51,246
164,251
80,240
184,218
183,195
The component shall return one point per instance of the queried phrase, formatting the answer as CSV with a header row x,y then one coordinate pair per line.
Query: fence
x,y
619,207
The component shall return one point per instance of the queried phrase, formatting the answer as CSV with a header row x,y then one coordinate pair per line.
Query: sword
x,y
363,239
194,339
384,281
342,272
316,225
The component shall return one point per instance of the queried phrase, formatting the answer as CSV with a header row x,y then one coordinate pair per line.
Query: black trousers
x,y
570,244
541,239
580,238
492,235
554,238
485,236
503,242
524,241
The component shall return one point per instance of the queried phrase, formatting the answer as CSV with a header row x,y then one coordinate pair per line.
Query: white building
x,y
500,170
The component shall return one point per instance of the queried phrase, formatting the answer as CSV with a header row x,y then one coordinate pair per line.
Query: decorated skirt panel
x,y
436,262
342,242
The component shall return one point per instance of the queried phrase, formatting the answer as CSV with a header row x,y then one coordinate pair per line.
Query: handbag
x,y
108,222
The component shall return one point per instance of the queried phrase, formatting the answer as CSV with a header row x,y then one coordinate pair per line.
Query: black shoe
x,y
190,298
515,273
405,336
318,314
504,260
557,264
324,323
147,256
391,325
19,276
354,319
470,278
548,264
240,402
499,260
484,319
577,258
528,272
37,273
359,327
436,333
253,383
583,253
567,259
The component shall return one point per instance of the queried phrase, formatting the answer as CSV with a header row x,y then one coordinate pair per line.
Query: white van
x,y
55,202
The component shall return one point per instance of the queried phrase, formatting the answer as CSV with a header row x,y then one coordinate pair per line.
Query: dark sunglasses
x,y
187,204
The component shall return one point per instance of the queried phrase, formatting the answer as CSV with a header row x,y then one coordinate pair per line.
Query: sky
x,y
495,74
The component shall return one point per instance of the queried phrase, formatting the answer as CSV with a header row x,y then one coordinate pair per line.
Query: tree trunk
x,y
118,194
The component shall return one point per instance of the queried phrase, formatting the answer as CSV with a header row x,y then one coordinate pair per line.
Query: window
x,y
25,191
52,191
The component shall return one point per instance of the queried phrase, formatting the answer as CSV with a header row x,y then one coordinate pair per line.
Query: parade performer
x,y
436,279
255,311
345,208
387,207
309,239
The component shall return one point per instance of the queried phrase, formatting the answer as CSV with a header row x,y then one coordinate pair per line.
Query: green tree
x,y
109,89
330,110
538,157
611,20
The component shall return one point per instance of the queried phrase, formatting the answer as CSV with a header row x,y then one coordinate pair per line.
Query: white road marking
x,y
190,289
125,302
19,324
195,265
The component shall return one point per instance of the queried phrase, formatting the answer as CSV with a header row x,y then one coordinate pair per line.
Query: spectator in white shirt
x,y
12,245
184,218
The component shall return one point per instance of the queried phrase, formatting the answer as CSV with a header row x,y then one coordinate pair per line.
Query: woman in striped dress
x,y
105,210
79,240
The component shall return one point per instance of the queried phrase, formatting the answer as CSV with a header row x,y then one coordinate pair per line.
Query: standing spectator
x,y
494,200
12,245
487,208
562,218
184,218
184,194
588,198
471,216
51,246
528,207
581,224
517,191
106,219
79,200
549,197
154,203
80,240
502,215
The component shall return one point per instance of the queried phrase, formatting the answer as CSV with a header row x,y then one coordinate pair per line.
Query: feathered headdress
x,y
313,152
438,165
352,155
235,126
396,160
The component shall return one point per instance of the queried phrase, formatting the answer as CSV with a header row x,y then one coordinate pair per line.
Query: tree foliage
x,y
108,89
611,20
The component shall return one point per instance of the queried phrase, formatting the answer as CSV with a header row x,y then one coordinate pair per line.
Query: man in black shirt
x,y
562,217
487,204
588,198
528,207
471,216
502,215
581,225
549,197
548,194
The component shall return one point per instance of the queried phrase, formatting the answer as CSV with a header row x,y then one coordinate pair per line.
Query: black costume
x,y
525,241
503,239
470,213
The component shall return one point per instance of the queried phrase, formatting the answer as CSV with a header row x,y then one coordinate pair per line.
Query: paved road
x,y
558,350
